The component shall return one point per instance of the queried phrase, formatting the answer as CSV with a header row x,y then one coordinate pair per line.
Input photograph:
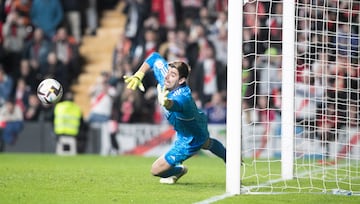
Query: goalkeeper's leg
x,y
214,146
169,173
172,171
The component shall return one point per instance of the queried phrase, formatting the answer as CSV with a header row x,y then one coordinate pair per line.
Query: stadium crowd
x,y
327,65
41,38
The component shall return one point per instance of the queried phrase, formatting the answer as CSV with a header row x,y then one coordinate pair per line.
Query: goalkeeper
x,y
190,124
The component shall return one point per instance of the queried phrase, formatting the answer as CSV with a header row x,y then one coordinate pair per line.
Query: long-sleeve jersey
x,y
188,121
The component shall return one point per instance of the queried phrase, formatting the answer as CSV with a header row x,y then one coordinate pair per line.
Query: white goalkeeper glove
x,y
162,96
134,81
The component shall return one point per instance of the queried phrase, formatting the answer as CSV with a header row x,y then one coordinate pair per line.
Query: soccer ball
x,y
49,91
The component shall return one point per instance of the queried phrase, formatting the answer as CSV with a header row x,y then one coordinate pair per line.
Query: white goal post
x,y
298,99
233,127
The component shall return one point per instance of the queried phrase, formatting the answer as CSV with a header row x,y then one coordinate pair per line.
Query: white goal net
x,y
325,99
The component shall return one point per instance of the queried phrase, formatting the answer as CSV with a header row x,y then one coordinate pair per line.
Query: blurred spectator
x,y
219,23
321,67
22,92
198,44
129,106
191,8
72,11
6,86
219,41
152,22
28,74
149,107
249,87
91,17
255,20
216,6
265,117
346,41
266,114
204,18
305,102
23,8
354,83
11,123
326,125
268,66
249,114
100,83
173,48
33,110
137,11
338,83
47,15
353,115
249,45
274,23
6,7
181,39
123,69
14,33
67,52
216,109
37,50
121,52
114,128
142,50
208,77
166,12
102,96
54,68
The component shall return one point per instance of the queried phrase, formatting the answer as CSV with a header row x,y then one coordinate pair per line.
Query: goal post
x,y
233,126
287,109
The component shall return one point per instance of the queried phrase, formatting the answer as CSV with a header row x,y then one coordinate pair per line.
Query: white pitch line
x,y
215,198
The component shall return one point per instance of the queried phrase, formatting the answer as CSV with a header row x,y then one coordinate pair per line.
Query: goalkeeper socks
x,y
217,148
175,170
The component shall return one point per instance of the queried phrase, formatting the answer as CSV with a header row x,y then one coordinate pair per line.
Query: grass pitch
x,y
45,178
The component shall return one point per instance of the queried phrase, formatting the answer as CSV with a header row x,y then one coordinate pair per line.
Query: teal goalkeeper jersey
x,y
189,122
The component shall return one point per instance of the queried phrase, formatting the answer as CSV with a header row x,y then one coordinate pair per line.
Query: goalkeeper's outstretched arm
x,y
154,62
135,81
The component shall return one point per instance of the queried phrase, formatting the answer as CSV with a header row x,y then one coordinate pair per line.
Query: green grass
x,y
44,178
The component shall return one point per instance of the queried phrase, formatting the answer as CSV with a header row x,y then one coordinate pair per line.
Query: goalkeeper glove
x,y
134,81
162,96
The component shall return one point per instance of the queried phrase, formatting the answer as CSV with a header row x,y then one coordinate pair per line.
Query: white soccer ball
x,y
49,91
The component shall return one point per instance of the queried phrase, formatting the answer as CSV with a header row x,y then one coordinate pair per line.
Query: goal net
x,y
324,98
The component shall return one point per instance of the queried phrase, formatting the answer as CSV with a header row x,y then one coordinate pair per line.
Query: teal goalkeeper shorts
x,y
179,153
176,156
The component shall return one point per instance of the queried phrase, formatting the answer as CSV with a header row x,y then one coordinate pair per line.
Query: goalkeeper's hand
x,y
162,96
134,81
